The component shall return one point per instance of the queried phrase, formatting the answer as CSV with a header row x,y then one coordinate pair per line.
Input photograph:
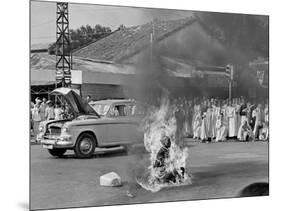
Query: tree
x,y
83,36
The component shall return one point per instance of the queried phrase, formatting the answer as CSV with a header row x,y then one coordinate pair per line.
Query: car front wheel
x,y
57,152
85,146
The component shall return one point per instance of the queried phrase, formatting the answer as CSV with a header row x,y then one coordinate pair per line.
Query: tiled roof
x,y
40,46
126,42
42,61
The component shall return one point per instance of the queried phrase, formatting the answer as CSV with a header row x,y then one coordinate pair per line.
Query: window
x,y
101,109
118,110
126,110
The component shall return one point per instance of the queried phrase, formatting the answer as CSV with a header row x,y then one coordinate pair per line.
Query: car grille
x,y
54,131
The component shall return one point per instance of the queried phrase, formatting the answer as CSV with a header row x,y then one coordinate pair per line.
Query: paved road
x,y
218,170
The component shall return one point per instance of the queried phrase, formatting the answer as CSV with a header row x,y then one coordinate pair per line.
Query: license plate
x,y
48,146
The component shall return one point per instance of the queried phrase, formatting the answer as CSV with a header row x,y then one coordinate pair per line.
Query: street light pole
x,y
229,89
151,42
230,71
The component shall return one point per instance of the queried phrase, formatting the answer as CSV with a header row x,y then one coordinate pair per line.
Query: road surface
x,y
218,170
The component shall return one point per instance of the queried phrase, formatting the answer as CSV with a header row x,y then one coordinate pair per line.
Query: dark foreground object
x,y
255,189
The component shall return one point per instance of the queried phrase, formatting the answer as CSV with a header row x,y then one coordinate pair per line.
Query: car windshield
x,y
101,109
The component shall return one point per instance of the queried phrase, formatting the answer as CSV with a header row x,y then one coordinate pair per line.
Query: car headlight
x,y
41,128
65,129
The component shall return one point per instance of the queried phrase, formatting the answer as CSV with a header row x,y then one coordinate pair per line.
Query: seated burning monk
x,y
162,173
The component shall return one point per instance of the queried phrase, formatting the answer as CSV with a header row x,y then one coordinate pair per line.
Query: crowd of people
x,y
220,120
45,109
200,118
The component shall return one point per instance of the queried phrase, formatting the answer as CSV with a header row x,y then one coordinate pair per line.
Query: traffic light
x,y
230,71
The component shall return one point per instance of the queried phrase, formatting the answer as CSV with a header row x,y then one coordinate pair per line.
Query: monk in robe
x,y
258,114
189,117
245,132
206,132
197,121
238,117
215,113
224,114
179,115
162,173
220,129
231,120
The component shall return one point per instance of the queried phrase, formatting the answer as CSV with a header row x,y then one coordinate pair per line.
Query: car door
x,y
115,126
122,126
137,114
132,125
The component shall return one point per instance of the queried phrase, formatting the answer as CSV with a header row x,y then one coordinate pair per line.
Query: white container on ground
x,y
110,179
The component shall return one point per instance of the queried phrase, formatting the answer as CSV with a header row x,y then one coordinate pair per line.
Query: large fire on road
x,y
168,159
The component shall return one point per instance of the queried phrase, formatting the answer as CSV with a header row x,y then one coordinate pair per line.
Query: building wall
x,y
102,91
95,77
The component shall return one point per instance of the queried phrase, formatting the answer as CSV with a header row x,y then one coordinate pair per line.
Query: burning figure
x,y
168,159
162,173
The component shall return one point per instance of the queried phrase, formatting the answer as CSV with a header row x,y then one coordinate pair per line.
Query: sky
x,y
43,17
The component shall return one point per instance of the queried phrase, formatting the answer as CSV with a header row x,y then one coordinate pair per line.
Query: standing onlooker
x,y
36,119
43,107
179,115
197,120
251,119
258,114
225,121
238,117
206,132
214,116
31,117
58,111
243,111
231,120
188,118
266,114
49,112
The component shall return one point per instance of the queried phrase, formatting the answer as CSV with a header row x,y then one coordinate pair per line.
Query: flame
x,y
159,122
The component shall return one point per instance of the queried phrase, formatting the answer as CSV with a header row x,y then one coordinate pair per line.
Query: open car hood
x,y
75,101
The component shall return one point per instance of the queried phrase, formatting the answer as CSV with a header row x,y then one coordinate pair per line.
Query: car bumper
x,y
51,142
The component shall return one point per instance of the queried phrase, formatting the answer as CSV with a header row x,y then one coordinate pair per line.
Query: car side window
x,y
134,110
130,109
118,111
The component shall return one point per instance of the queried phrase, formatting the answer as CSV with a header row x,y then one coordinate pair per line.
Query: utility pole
x,y
63,60
151,41
229,90
230,71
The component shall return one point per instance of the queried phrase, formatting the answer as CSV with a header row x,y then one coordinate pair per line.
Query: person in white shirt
x,y
36,119
49,112
42,108
58,112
